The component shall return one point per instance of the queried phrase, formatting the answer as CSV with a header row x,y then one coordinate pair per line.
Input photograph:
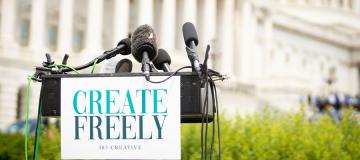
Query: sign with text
x,y
120,118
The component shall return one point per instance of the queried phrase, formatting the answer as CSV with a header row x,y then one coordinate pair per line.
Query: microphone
x,y
162,61
123,47
123,66
144,47
191,41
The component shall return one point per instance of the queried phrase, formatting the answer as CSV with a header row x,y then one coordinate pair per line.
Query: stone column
x,y
8,14
268,25
65,37
226,44
334,4
38,26
246,35
189,11
121,20
94,27
301,2
209,26
168,24
146,12
346,4
120,31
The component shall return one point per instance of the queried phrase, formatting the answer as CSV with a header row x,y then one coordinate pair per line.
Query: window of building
x,y
133,15
322,67
179,41
78,43
23,8
20,105
52,37
80,14
52,23
157,12
108,24
24,32
272,54
287,58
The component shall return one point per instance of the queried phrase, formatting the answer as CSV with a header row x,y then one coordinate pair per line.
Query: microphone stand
x,y
146,65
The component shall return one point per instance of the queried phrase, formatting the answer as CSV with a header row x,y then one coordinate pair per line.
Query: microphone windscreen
x,y
127,43
162,57
189,34
123,66
143,40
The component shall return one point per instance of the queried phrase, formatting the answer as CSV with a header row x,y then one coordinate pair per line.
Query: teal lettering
x,y
92,101
75,100
110,101
143,99
130,103
158,100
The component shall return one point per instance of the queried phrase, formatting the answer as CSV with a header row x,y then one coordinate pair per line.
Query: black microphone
x,y
123,66
162,61
191,41
123,47
144,47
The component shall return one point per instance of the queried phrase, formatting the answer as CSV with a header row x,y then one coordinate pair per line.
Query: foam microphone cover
x,y
144,40
189,34
162,57
127,43
123,66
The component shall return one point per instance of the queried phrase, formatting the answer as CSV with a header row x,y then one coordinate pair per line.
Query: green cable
x,y
39,130
27,105
63,66
94,65
27,99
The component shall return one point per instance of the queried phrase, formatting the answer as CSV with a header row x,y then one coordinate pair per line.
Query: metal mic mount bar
x,y
192,94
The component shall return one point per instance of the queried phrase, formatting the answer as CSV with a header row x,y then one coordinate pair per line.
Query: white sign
x,y
120,118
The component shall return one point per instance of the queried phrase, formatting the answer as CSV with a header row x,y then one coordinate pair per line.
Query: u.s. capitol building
x,y
274,51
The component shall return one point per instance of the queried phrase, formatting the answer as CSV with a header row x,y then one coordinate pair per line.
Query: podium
x,y
192,93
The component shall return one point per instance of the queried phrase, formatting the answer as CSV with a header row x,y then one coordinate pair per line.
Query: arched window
x,y
20,105
133,15
80,14
108,24
23,8
52,23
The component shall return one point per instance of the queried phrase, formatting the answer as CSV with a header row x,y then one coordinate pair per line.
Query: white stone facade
x,y
274,51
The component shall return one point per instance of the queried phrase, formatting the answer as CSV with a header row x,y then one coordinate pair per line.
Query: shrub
x,y
280,136
260,136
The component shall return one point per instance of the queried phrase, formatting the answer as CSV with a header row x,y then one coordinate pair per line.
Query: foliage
x,y
259,136
280,136
12,145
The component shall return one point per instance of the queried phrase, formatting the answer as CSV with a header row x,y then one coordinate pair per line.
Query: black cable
x,y
214,122
205,111
205,119
97,60
218,122
38,122
167,78
202,127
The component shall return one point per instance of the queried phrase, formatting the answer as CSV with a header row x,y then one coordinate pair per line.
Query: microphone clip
x,y
194,60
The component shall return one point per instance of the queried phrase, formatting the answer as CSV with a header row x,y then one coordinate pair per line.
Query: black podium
x,y
192,93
